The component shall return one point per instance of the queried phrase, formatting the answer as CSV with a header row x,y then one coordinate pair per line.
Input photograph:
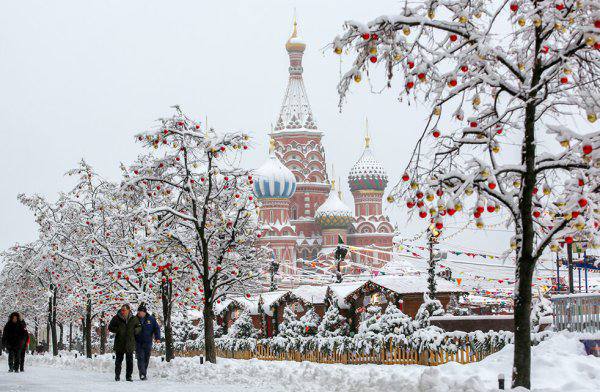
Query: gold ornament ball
x,y
390,199
338,50
357,78
406,30
521,22
431,14
463,19
592,117
373,50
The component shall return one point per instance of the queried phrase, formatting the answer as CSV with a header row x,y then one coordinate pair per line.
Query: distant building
x,y
302,214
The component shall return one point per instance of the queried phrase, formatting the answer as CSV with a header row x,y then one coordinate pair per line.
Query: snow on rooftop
x,y
409,284
311,294
269,298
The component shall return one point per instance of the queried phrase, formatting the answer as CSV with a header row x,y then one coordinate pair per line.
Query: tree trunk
x,y
61,343
53,321
70,336
521,376
167,291
210,350
102,335
88,329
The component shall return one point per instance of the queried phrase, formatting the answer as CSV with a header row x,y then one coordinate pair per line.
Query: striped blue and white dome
x,y
273,180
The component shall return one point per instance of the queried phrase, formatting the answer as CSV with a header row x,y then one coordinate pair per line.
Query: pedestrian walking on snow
x,y
25,345
13,340
125,326
143,340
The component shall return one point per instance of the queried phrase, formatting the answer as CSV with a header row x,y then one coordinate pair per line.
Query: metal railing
x,y
577,312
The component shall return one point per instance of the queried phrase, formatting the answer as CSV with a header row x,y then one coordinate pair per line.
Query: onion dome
x,y
273,180
367,173
333,213
295,43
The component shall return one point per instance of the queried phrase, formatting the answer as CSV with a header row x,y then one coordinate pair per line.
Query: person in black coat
x,y
125,326
25,345
13,339
143,340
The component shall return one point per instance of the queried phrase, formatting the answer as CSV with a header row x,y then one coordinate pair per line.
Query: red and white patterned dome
x,y
367,173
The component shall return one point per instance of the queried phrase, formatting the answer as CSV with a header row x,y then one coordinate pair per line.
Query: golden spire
x,y
339,188
271,145
332,178
293,44
367,136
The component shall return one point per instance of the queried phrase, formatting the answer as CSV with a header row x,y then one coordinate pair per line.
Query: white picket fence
x,y
577,312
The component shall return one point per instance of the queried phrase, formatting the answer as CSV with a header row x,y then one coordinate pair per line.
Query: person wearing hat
x,y
143,340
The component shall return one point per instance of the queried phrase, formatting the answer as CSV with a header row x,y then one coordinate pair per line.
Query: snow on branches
x,y
497,74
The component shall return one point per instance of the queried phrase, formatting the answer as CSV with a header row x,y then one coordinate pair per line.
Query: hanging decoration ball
x,y
390,199
414,185
437,110
521,22
564,80
453,37
436,133
492,185
496,149
337,50
590,40
491,208
431,14
592,117
452,83
554,247
514,7
537,22
410,85
397,56
405,177
463,19
569,240
406,30
537,213
373,59
479,224
422,214
373,50
366,36
421,76
582,202
464,68
357,78
597,24
587,149
439,225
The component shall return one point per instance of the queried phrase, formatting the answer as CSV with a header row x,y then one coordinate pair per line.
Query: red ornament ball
x,y
587,149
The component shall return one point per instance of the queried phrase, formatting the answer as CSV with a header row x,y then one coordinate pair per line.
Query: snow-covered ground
x,y
559,364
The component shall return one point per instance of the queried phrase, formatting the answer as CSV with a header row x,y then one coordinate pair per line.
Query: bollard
x,y
501,381
60,355
75,355
162,359
113,357
95,355
201,360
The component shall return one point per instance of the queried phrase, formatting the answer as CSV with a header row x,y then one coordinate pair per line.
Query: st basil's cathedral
x,y
302,213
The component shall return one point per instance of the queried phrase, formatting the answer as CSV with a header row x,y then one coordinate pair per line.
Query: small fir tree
x,y
243,328
333,323
290,327
372,322
395,322
429,307
541,308
309,323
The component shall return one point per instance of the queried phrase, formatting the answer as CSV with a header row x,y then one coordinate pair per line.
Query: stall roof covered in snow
x,y
250,304
269,298
311,294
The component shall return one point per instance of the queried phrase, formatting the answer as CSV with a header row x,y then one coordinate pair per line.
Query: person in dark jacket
x,y
143,340
125,326
13,340
25,345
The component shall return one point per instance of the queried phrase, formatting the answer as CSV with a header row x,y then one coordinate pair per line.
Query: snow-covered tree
x,y
309,322
429,307
333,323
496,74
395,322
243,328
542,308
371,323
201,202
290,327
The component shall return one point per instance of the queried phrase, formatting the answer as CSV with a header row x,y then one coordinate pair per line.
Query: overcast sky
x,y
78,79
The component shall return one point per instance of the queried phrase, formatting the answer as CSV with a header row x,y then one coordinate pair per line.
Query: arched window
x,y
305,254
294,212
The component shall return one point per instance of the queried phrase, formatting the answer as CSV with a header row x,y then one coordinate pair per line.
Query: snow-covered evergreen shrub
x,y
394,321
371,324
429,307
243,328
309,323
290,327
541,309
333,323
